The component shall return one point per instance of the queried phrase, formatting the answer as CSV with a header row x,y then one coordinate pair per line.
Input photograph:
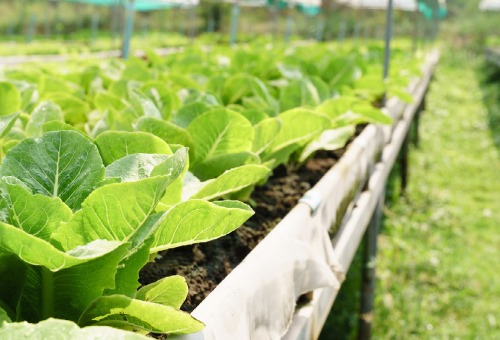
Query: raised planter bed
x,y
258,298
303,253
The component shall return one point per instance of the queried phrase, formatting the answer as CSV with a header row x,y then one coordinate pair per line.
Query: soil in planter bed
x,y
205,265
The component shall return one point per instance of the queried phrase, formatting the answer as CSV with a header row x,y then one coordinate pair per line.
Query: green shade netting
x,y
428,11
139,5
308,10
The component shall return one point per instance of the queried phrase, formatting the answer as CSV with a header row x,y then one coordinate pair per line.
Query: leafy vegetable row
x,y
104,165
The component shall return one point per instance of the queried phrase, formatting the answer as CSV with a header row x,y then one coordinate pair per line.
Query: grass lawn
x,y
439,258
438,266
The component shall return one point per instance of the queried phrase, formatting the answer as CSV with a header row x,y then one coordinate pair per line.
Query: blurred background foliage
x,y
39,20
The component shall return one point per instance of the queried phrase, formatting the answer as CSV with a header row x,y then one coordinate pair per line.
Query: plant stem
x,y
47,293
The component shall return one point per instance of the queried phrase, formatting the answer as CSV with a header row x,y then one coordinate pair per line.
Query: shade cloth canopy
x,y
404,5
143,5
489,5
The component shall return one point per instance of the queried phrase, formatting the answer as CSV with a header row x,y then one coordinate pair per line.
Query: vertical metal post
x,y
380,34
366,34
368,274
117,13
112,20
289,25
163,18
416,121
235,16
416,128
144,24
173,14
47,23
210,25
22,15
320,29
129,27
438,20
10,28
182,22
80,16
388,37
369,260
31,28
192,22
57,18
342,31
404,163
415,30
94,27
357,28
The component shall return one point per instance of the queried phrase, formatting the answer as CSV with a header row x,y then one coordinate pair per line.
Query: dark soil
x,y
205,265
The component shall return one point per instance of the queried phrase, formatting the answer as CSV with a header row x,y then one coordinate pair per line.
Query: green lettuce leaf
x,y
60,164
60,284
113,212
136,315
3,317
300,92
135,167
223,140
169,132
75,109
299,126
43,113
265,132
10,99
6,123
63,330
329,140
230,181
169,291
36,214
196,221
114,145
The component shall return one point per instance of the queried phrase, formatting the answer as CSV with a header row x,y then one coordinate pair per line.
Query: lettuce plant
x,y
75,233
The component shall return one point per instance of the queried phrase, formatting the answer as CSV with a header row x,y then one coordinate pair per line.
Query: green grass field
x,y
439,248
440,245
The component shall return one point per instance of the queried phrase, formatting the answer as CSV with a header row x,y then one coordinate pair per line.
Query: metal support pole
x,y
144,25
366,34
80,16
415,30
403,163
94,27
112,20
368,274
58,24
192,22
235,16
357,28
129,27
210,25
289,25
388,37
22,15
416,122
387,47
10,29
48,22
31,28
273,11
163,18
342,31
370,254
380,34
320,29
